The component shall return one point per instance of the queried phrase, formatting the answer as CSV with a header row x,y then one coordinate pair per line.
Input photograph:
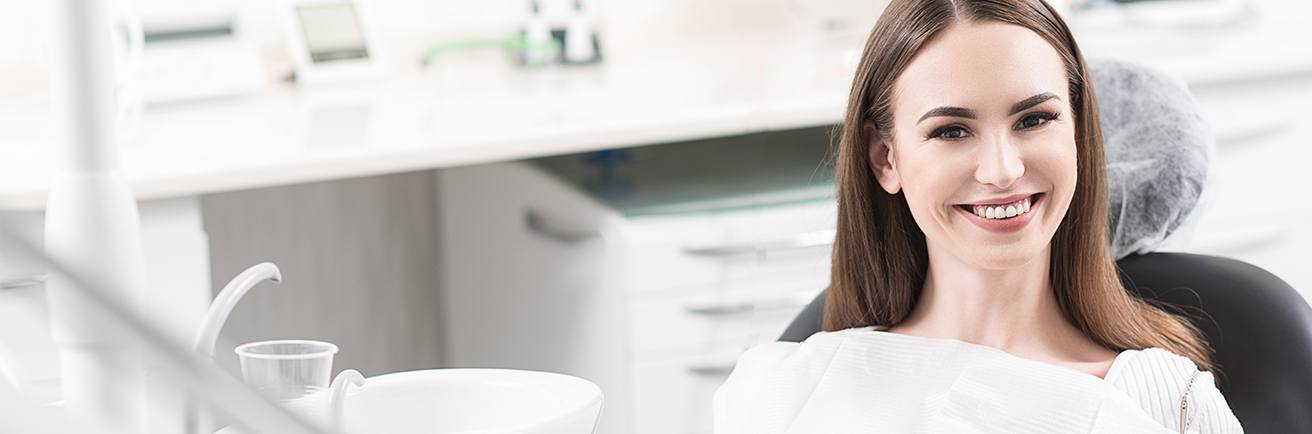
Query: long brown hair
x,y
880,259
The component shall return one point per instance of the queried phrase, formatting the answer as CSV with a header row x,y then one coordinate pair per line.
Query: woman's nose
x,y
999,163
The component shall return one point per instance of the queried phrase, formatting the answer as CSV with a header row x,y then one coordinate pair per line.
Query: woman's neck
x,y
1013,310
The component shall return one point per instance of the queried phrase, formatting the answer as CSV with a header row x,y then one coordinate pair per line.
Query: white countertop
x,y
474,107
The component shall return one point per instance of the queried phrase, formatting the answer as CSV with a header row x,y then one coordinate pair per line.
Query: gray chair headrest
x,y
1157,149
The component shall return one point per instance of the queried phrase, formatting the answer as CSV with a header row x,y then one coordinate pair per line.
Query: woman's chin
x,y
1000,258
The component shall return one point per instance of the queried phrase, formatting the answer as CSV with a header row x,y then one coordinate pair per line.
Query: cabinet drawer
x,y
673,269
528,279
745,314
673,396
783,221
679,252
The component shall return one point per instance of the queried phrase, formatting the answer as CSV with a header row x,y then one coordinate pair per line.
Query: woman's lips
x,y
1007,225
1003,201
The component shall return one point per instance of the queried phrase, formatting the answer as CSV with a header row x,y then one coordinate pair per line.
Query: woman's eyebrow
x,y
1031,102
958,112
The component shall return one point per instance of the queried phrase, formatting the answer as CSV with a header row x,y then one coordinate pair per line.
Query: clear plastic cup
x,y
294,373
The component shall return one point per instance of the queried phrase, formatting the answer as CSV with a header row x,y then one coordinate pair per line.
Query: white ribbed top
x,y
1156,379
865,380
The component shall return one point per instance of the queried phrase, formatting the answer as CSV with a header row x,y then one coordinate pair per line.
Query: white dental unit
x,y
484,255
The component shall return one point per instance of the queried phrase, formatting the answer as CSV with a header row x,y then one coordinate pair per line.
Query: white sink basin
x,y
469,401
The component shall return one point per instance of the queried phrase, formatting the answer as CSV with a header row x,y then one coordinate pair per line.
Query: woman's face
x,y
982,123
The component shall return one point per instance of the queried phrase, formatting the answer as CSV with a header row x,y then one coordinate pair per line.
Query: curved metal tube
x,y
208,334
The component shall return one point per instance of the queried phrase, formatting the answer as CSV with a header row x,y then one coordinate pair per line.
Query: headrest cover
x,y
1157,149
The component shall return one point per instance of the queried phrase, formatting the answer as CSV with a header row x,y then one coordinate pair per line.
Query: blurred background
x,y
629,191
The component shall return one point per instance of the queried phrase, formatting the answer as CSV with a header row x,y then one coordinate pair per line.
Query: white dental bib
x,y
870,381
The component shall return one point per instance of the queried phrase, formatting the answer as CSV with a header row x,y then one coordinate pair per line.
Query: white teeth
x,y
1001,212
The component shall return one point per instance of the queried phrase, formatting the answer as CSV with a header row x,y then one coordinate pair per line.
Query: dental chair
x,y
1259,327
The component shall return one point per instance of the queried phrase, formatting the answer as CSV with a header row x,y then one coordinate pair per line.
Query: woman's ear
x,y
881,159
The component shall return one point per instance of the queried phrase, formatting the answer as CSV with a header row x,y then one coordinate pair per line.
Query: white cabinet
x,y
655,310
1256,208
673,394
743,275
529,279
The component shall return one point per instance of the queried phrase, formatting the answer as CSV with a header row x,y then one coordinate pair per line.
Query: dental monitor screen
x,y
332,32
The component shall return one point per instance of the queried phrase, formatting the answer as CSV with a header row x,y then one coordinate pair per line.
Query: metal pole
x,y
92,223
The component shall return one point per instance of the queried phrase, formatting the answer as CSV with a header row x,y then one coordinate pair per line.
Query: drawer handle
x,y
711,369
544,227
21,281
800,241
722,309
796,301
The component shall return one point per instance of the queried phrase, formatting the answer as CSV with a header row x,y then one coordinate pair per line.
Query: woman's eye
x,y
957,131
1035,120
950,132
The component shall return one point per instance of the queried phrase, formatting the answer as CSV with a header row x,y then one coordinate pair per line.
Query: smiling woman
x,y
972,275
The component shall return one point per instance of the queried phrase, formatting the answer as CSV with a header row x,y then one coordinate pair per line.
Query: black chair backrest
x,y
1259,327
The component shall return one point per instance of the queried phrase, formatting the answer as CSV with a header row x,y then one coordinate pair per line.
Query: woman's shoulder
x,y
1153,370
1168,385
